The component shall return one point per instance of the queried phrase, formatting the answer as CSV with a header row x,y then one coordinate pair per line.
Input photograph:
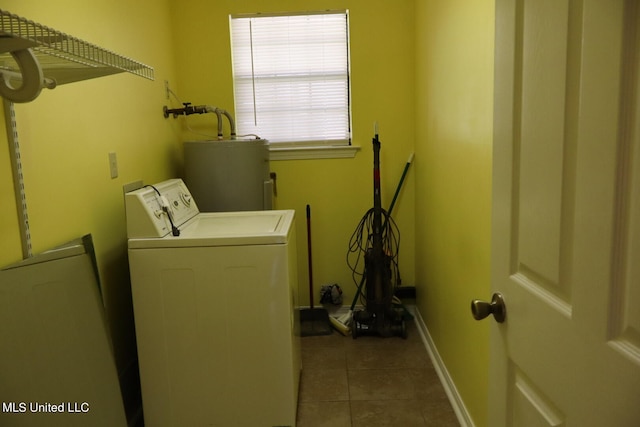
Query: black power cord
x,y
362,241
164,204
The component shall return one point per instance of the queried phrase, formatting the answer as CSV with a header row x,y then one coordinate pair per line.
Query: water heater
x,y
229,175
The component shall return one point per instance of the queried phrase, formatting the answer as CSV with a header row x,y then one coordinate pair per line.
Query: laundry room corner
x,y
339,190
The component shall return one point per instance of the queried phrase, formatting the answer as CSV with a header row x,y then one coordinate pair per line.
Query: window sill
x,y
316,152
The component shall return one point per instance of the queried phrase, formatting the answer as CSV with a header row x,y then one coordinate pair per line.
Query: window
x,y
291,77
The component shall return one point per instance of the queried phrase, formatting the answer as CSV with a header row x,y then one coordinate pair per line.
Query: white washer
x,y
215,311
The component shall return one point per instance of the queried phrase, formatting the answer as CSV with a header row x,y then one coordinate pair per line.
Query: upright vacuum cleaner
x,y
379,316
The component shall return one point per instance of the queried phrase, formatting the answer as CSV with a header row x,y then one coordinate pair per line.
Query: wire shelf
x,y
62,57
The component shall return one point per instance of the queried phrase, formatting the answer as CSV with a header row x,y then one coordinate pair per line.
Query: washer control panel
x,y
153,209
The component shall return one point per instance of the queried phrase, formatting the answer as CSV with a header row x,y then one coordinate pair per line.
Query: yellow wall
x,y
339,191
454,113
67,133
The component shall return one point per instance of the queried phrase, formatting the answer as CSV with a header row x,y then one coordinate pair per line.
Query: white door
x,y
566,220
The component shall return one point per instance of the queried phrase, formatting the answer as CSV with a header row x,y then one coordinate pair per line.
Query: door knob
x,y
481,309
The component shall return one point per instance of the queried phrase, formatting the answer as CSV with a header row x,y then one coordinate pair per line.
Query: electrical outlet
x,y
113,165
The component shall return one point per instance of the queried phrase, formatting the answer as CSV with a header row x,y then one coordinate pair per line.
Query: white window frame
x,y
255,76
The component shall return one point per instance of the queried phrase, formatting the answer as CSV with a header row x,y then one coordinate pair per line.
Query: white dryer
x,y
215,311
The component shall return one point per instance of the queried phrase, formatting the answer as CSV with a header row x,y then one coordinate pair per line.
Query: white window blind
x,y
291,77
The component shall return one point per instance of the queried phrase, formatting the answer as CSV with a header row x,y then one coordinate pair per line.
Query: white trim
x,y
447,382
313,152
308,12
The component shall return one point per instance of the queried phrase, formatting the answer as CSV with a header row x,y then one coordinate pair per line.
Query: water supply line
x,y
232,123
189,109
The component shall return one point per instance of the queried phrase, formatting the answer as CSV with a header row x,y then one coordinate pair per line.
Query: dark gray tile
x,y
383,384
381,356
324,414
321,385
437,411
388,413
323,357
371,381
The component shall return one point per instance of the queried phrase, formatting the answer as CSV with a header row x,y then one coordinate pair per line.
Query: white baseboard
x,y
450,388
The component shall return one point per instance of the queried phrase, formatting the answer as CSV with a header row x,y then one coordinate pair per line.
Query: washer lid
x,y
226,229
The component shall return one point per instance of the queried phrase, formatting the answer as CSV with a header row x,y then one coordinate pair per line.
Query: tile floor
x,y
370,381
